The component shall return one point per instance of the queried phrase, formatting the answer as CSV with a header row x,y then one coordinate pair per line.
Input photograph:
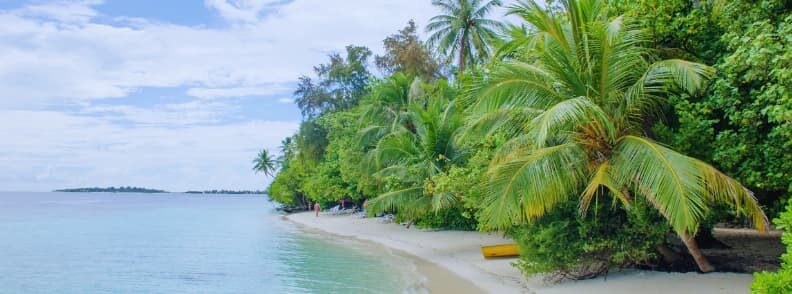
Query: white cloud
x,y
60,53
63,11
68,56
237,92
242,10
285,100
177,114
47,150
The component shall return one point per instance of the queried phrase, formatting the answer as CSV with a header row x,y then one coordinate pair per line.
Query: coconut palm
x,y
415,155
386,108
463,30
264,163
580,97
287,149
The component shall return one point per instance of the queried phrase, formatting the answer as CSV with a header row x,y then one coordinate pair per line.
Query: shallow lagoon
x,y
177,243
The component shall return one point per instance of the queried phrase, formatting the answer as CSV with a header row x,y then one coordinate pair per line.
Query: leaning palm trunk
x,y
702,262
579,95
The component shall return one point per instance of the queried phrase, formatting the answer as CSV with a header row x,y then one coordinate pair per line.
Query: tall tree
x,y
404,52
463,30
339,84
264,163
584,90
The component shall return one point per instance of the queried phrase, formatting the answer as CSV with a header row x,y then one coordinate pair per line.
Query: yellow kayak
x,y
503,250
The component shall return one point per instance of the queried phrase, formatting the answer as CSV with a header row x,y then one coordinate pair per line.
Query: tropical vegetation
x,y
264,163
576,102
781,281
463,31
595,133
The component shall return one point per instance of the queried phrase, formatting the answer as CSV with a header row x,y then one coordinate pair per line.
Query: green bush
x,y
452,218
565,245
780,281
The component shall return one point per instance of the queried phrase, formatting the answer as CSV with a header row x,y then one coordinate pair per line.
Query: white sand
x,y
459,253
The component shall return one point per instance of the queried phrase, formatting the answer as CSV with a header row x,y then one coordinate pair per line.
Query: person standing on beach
x,y
317,208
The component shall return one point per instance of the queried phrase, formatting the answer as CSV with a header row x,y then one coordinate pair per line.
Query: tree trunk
x,y
706,240
690,242
462,55
669,256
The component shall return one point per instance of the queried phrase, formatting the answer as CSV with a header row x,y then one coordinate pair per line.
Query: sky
x,y
177,95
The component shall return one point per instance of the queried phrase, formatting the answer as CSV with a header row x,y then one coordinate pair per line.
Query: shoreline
x,y
434,278
448,270
453,257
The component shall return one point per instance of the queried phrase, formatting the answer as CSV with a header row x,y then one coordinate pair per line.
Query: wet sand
x,y
453,263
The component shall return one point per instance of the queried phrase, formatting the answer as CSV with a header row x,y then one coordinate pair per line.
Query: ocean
x,y
179,243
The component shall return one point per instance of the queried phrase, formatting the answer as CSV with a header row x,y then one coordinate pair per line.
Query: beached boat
x,y
503,250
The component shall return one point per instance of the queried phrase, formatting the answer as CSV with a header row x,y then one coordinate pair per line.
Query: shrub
x,y
452,218
565,245
780,281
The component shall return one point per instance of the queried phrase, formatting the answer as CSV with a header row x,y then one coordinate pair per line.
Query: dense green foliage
x,y
781,281
568,245
743,124
452,218
577,100
591,131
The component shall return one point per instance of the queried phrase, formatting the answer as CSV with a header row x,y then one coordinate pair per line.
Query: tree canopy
x,y
672,112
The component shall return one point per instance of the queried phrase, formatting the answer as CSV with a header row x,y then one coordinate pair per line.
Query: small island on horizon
x,y
113,190
129,189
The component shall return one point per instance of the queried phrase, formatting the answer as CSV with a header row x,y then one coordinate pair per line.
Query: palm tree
x,y
415,155
581,93
387,108
265,163
287,150
463,30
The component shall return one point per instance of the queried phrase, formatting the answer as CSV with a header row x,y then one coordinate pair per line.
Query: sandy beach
x,y
454,263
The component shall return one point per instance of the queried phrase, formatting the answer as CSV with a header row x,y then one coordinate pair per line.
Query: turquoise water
x,y
175,243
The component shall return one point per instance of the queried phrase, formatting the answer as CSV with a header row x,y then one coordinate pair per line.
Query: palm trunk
x,y
462,55
690,242
669,256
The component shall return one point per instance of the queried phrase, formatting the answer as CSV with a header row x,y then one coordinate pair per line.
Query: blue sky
x,y
176,94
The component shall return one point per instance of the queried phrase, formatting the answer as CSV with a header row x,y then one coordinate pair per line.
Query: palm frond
x,y
601,178
669,180
443,200
509,120
403,199
528,183
649,92
514,84
568,116
723,189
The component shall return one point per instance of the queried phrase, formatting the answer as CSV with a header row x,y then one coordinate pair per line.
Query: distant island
x,y
232,192
113,190
147,190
